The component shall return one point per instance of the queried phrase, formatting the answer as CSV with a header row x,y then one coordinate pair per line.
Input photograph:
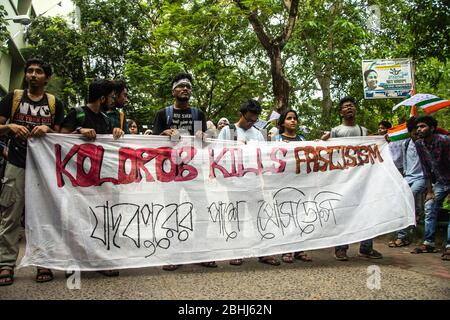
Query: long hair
x,y
283,118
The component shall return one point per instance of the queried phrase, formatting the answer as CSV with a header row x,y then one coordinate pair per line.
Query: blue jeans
x,y
417,187
365,246
432,208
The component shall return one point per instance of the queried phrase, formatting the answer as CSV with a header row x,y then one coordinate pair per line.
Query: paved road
x,y
403,276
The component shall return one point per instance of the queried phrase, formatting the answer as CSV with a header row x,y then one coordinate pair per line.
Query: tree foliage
x,y
3,30
230,47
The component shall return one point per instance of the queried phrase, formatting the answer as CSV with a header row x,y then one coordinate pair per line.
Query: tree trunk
x,y
280,86
326,101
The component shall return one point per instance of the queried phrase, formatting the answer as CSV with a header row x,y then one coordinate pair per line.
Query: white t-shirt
x,y
251,134
348,131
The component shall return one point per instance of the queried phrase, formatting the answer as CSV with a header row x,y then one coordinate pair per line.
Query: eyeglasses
x,y
184,85
133,126
249,120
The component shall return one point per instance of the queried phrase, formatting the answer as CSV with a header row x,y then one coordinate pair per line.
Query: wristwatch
x,y
78,129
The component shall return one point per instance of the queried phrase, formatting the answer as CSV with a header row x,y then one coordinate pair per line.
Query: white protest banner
x,y
387,78
146,201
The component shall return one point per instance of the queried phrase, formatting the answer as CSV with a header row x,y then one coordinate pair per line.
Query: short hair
x,y
282,118
100,88
251,106
429,120
366,73
119,85
411,124
346,99
385,124
180,76
44,65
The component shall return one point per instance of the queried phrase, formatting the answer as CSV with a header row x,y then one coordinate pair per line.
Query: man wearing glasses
x,y
244,130
180,118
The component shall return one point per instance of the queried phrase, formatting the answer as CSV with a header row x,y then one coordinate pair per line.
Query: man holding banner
x,y
180,118
90,121
31,113
349,128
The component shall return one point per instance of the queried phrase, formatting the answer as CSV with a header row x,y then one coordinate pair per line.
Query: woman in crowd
x,y
288,126
133,127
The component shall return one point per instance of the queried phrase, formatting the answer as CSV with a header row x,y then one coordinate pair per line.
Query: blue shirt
x,y
411,162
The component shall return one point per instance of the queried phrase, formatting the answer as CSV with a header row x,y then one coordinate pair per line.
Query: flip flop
x,y
301,255
210,264
236,262
269,260
8,276
287,258
398,243
170,267
44,275
424,249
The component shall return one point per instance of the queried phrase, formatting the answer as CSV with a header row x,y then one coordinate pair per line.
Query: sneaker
x,y
341,255
374,254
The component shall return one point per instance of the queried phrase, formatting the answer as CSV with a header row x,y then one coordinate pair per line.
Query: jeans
x,y
417,187
365,246
432,208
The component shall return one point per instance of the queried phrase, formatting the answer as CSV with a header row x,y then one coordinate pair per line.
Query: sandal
x,y
236,262
301,255
8,277
269,260
170,267
446,255
287,257
44,275
398,243
109,273
424,248
210,264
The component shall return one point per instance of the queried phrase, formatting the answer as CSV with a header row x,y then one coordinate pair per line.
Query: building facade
x,y
12,62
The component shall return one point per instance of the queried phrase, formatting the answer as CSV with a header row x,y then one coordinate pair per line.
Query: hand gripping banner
x,y
145,201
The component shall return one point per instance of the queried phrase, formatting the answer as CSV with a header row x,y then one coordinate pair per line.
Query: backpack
x,y
169,114
232,126
81,115
18,94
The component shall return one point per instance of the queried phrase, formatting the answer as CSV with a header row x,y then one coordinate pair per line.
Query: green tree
x,y
273,44
56,42
4,34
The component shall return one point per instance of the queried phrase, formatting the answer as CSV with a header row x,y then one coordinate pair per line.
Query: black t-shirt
x,y
182,120
97,121
29,114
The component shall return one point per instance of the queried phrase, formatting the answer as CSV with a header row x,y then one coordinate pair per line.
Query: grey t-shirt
x,y
348,131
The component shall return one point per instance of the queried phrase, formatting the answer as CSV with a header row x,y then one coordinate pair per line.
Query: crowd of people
x,y
423,158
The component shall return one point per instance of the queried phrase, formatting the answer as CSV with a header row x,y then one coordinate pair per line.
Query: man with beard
x,y
90,121
349,128
31,113
117,117
433,150
180,118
